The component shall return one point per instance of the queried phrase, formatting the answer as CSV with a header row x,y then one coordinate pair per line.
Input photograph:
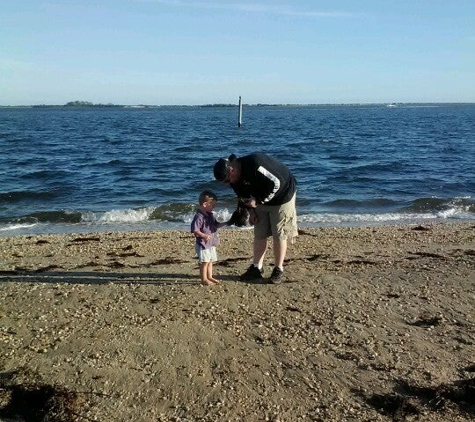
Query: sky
x,y
180,52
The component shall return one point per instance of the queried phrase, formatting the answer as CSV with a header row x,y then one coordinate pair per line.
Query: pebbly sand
x,y
373,324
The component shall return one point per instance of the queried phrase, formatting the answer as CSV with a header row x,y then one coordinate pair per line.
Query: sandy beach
x,y
373,324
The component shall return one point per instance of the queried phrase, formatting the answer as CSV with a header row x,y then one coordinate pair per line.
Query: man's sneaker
x,y
277,276
252,273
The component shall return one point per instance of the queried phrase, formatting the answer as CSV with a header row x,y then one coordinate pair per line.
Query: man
x,y
270,189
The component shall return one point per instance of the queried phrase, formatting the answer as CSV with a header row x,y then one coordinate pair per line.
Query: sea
x,y
98,169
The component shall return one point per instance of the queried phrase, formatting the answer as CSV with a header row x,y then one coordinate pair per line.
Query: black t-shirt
x,y
266,179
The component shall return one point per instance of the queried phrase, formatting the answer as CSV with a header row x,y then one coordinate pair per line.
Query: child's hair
x,y
207,196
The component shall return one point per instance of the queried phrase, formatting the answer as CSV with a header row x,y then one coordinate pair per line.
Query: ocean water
x,y
66,169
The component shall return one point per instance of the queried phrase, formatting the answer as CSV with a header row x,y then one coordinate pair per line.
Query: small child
x,y
205,228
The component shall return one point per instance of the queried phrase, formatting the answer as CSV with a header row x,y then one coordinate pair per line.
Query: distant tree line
x,y
87,104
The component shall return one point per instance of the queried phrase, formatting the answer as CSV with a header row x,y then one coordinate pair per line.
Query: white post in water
x,y
240,113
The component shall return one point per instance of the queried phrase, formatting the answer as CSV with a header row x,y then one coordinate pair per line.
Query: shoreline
x,y
318,220
374,323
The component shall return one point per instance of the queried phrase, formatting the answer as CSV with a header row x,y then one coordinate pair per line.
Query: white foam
x,y
456,213
338,219
16,227
119,216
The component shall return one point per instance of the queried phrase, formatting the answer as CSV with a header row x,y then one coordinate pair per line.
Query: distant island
x,y
89,104
86,104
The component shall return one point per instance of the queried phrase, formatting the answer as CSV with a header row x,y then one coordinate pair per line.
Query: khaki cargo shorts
x,y
278,221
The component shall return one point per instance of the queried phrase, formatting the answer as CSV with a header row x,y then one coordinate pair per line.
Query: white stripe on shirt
x,y
273,179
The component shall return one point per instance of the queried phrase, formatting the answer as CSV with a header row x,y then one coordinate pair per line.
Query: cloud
x,y
283,10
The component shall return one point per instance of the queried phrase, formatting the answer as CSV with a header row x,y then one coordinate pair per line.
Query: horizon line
x,y
90,104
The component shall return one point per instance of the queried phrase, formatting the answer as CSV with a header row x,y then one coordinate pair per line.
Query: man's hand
x,y
251,203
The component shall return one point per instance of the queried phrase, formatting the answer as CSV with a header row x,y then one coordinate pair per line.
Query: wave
x,y
419,209
360,219
12,227
437,206
52,217
179,215
442,205
170,212
118,216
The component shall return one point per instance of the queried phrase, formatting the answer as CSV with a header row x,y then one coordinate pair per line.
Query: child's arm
x,y
204,236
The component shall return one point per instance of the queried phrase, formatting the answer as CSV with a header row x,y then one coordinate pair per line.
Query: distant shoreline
x,y
82,104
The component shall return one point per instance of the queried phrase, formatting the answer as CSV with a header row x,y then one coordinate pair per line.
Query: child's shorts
x,y
206,255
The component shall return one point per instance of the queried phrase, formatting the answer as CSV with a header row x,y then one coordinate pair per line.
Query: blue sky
x,y
212,51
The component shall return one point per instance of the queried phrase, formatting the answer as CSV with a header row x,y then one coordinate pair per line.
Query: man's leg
x,y
261,231
284,226
260,248
280,250
254,272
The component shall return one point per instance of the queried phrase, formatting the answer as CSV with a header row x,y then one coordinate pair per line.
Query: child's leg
x,y
204,269
214,258
210,274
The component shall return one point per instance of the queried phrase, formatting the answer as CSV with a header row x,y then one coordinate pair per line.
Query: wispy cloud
x,y
283,10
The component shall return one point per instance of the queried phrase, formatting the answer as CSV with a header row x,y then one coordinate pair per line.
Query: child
x,y
205,228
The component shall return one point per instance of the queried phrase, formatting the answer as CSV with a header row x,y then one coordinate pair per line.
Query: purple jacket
x,y
205,223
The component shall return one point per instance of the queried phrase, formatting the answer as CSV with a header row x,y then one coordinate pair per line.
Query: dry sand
x,y
373,324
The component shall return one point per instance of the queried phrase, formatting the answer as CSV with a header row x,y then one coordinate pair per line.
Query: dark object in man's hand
x,y
240,217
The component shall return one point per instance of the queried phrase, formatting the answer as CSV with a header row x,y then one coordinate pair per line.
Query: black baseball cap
x,y
221,167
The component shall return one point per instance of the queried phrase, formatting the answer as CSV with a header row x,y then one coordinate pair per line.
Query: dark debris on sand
x,y
34,401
